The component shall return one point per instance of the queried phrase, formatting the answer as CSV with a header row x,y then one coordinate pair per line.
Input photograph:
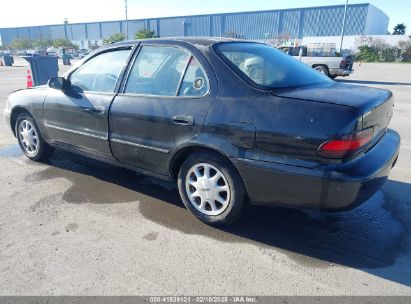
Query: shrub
x,y
367,54
143,34
116,37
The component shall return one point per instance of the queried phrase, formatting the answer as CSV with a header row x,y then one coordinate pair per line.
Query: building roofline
x,y
194,40
189,16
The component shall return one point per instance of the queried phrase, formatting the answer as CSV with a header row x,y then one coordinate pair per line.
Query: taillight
x,y
346,146
343,64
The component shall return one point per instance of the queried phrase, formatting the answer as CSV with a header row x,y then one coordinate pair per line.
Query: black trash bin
x,y
42,68
8,60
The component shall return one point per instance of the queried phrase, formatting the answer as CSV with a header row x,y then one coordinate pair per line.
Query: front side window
x,y
157,71
100,74
267,66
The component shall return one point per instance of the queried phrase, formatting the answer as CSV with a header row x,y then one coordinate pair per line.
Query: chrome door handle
x,y
95,110
183,120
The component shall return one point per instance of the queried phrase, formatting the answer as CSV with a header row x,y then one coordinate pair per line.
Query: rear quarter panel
x,y
291,130
233,104
275,129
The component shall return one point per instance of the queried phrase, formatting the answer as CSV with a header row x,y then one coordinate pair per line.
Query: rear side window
x,y
292,51
267,66
195,81
101,73
157,71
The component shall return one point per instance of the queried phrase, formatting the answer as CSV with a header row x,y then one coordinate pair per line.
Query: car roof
x,y
196,41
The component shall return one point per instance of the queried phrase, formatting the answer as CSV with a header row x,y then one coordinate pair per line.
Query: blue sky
x,y
40,12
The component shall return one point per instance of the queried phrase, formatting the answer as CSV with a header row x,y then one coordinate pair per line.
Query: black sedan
x,y
230,121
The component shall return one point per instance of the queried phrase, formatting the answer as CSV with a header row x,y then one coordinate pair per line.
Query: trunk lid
x,y
356,96
375,106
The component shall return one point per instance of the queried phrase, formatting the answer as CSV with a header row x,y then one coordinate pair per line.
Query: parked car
x,y
54,54
83,53
230,121
326,63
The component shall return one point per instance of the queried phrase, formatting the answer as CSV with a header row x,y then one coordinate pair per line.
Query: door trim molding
x,y
125,142
76,132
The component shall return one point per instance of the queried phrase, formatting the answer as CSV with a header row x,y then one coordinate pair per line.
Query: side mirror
x,y
59,83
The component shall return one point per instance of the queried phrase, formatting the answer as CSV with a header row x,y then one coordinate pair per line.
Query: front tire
x,y
211,188
30,140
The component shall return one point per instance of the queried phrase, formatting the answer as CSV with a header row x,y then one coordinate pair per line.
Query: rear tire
x,y
322,69
30,140
211,188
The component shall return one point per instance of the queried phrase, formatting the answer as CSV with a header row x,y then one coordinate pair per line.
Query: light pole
x,y
343,25
65,28
125,7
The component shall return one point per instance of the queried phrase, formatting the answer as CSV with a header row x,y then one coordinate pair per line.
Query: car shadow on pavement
x,y
374,237
369,82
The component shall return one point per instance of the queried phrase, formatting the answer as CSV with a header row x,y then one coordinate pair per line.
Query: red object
x,y
1,62
29,83
346,146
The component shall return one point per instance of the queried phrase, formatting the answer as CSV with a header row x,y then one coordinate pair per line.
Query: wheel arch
x,y
320,64
181,155
327,70
15,112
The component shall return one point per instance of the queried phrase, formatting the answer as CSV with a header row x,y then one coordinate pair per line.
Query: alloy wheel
x,y
207,189
28,137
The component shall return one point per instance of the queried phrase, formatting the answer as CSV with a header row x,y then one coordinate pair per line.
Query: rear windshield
x,y
268,67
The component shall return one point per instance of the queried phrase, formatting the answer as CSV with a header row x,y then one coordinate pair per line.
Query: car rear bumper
x,y
329,187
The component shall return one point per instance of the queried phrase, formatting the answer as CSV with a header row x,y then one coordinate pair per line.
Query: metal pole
x,y
65,28
125,6
343,25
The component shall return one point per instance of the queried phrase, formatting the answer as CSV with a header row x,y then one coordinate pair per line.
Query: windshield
x,y
267,66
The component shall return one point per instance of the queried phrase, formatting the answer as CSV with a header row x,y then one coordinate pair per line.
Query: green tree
x,y
406,55
367,54
399,29
116,37
143,34
64,43
21,44
43,43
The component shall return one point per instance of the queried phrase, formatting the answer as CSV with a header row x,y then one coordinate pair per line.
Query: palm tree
x,y
399,29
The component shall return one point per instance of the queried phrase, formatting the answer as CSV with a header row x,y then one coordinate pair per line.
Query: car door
x,y
162,104
78,117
